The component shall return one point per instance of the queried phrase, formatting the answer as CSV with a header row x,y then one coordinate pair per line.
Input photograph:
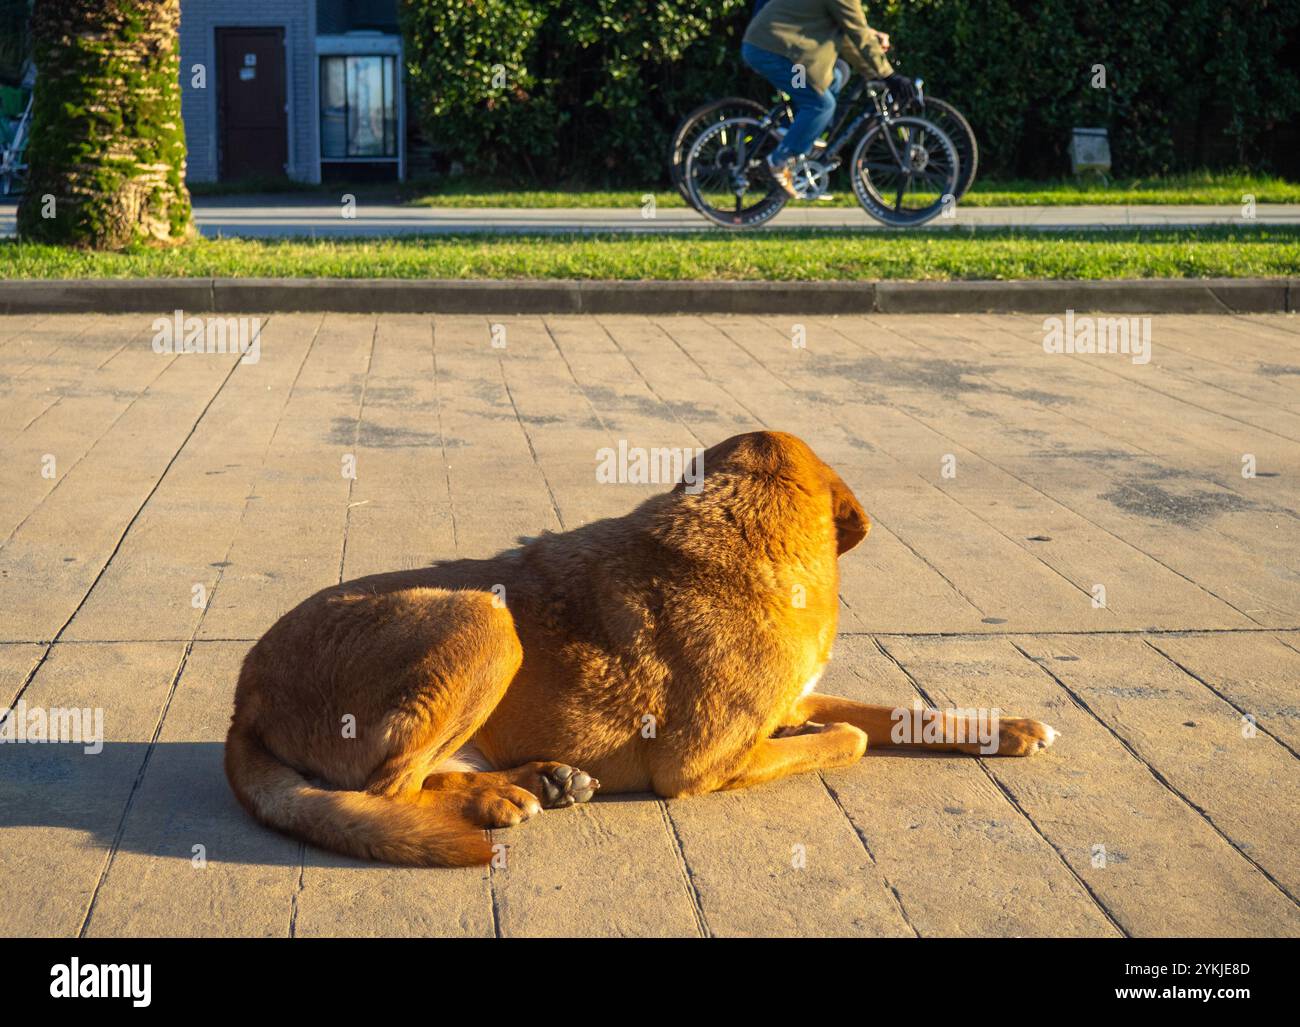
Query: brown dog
x,y
674,649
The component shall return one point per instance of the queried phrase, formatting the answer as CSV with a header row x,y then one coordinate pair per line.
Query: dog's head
x,y
788,463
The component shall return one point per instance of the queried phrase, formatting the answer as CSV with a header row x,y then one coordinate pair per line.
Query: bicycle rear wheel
x,y
726,174
957,128
696,122
903,170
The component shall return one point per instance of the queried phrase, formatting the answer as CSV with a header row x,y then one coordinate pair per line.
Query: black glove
x,y
903,89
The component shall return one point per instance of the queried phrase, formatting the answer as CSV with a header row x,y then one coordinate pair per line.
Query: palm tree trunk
x,y
107,153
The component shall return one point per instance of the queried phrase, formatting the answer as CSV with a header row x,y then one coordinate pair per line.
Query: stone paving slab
x,y
157,512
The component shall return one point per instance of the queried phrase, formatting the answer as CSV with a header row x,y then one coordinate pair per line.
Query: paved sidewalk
x,y
191,499
276,216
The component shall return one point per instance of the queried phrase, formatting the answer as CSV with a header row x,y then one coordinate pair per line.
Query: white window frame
x,y
365,44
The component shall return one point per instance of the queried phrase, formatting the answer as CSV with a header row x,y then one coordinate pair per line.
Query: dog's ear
x,y
851,521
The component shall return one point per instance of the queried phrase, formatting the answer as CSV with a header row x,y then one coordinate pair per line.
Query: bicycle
x,y
941,112
13,149
904,157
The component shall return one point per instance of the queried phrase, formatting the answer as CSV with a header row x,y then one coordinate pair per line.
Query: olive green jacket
x,y
811,33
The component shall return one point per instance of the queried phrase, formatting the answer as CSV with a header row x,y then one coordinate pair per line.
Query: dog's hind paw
x,y
562,785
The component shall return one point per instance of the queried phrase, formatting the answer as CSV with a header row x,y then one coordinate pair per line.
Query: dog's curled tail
x,y
352,823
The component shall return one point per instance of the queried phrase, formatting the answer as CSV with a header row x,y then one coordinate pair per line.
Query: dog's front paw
x,y
1020,736
562,785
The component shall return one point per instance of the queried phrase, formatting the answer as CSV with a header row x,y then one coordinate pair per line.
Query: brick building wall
x,y
199,21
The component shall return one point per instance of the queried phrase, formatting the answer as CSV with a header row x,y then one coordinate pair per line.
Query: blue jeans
x,y
812,110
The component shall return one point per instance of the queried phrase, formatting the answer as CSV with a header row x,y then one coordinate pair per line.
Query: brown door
x,y
253,124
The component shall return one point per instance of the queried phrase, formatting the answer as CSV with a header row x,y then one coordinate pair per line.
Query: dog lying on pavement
x,y
398,716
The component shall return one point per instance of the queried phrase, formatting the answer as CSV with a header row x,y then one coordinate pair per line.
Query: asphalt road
x,y
275,216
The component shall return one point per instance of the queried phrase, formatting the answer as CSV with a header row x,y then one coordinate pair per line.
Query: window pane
x,y
390,106
333,107
366,108
358,107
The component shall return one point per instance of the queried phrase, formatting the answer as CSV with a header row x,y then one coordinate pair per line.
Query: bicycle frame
x,y
841,135
12,157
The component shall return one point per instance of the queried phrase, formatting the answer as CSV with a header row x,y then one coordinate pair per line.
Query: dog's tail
x,y
352,823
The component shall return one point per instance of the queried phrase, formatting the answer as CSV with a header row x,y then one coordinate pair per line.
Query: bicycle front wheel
x,y
726,174
904,172
957,128
695,123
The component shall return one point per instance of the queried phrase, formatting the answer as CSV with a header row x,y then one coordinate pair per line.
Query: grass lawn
x,y
765,256
1200,188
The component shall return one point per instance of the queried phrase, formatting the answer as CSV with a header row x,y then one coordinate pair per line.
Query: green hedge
x,y
592,88
589,91
1189,84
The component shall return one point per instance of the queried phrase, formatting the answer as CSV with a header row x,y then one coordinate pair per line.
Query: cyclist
x,y
794,44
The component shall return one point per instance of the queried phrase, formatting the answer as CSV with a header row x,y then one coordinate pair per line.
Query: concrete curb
x,y
449,296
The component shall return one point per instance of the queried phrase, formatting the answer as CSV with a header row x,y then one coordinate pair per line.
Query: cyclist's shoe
x,y
783,175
